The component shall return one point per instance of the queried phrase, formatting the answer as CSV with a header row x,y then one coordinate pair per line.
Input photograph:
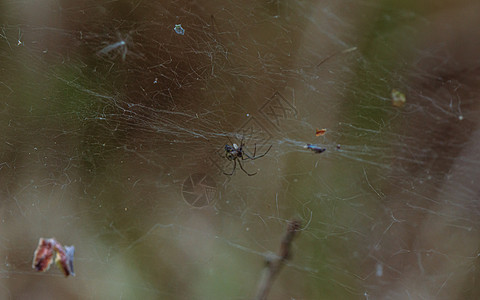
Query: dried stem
x,y
275,262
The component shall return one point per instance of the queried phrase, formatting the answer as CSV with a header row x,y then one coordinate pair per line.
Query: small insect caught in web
x,y
47,250
236,153
315,148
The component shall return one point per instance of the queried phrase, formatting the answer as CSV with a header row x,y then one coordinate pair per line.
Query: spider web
x,y
114,126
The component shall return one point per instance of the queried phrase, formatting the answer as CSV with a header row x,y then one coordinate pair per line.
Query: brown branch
x,y
275,262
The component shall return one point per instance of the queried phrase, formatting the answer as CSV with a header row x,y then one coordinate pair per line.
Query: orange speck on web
x,y
320,132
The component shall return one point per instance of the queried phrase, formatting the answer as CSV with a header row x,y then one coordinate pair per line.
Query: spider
x,y
234,152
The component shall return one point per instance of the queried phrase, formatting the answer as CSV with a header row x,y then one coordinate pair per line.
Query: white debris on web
x,y
179,29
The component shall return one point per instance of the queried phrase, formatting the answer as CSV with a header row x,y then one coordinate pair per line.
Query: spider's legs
x,y
255,157
248,156
241,167
234,166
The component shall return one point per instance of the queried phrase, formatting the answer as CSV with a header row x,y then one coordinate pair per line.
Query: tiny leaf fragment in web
x,y
320,132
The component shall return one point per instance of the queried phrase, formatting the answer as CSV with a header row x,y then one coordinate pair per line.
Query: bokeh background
x,y
112,135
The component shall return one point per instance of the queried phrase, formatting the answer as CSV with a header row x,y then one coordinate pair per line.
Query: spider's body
x,y
234,152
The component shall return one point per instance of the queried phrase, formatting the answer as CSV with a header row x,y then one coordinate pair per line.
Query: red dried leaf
x,y
43,257
46,250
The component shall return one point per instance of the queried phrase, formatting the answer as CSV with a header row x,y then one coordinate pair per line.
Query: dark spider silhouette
x,y
234,152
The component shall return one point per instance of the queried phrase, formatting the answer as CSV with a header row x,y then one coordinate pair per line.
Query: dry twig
x,y
275,262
